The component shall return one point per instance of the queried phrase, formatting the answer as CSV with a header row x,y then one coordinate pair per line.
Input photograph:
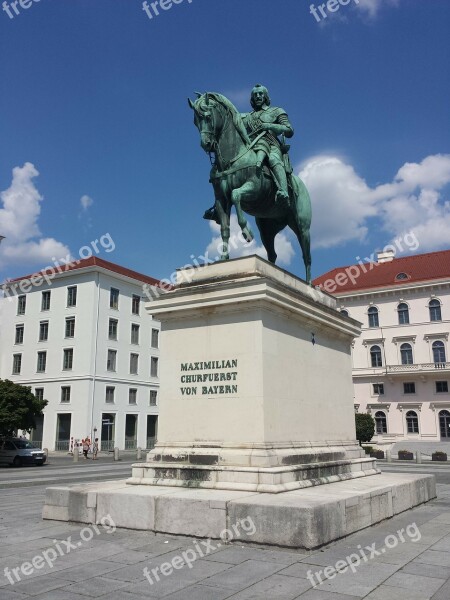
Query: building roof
x,y
397,272
94,261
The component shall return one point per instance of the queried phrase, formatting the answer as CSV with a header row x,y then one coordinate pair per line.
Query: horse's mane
x,y
236,115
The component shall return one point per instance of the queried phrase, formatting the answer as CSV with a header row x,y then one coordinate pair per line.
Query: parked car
x,y
18,452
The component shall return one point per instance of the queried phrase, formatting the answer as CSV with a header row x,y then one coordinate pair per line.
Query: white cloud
x,y
86,202
372,7
344,205
238,247
24,243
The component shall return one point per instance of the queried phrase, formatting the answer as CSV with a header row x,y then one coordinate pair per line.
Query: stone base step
x,y
304,518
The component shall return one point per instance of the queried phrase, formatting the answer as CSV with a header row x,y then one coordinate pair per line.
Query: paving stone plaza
x,y
111,565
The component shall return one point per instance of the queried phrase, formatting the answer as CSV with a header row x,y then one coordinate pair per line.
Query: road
x,y
440,471
62,469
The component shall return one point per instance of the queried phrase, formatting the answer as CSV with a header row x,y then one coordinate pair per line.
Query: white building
x,y
83,341
400,369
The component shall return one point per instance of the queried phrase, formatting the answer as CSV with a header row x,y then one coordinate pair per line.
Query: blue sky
x,y
94,100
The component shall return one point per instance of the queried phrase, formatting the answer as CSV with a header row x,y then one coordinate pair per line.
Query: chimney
x,y
386,256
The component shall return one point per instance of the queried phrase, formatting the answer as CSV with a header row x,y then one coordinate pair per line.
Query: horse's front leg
x,y
224,222
236,196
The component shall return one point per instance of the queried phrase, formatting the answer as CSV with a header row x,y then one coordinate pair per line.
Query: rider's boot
x,y
282,184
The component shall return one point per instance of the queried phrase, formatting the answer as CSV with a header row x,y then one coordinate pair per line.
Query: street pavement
x,y
404,558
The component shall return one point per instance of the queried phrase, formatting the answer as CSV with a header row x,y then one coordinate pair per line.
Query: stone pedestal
x,y
256,415
256,389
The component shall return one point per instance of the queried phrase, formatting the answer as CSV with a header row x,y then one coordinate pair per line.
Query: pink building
x,y
401,364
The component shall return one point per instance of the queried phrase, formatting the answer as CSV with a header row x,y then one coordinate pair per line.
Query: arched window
x,y
435,310
344,312
406,354
375,356
373,317
380,422
403,314
438,352
444,423
412,421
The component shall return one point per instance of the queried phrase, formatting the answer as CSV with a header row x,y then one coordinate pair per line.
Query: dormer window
x,y
401,276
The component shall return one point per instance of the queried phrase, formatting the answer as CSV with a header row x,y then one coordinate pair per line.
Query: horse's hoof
x,y
248,235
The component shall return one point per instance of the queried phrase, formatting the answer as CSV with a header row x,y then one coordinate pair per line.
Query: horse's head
x,y
208,118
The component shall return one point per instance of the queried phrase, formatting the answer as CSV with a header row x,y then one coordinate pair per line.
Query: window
x,y
45,301
21,305
403,314
134,333
441,387
114,298
109,398
134,359
438,352
412,421
406,354
375,356
344,312
373,317
72,295
378,389
65,393
135,304
435,310
68,359
155,338
41,361
19,334
70,327
409,388
380,422
154,367
153,396
43,331
39,393
17,364
112,329
132,396
401,276
111,362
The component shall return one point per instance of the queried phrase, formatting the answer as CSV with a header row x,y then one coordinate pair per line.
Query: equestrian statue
x,y
251,170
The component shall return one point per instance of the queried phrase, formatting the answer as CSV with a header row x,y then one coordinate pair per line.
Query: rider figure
x,y
271,122
274,121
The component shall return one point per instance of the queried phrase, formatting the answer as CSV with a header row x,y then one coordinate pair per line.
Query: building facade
x,y
83,341
401,364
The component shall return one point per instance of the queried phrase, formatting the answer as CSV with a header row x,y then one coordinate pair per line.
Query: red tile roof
x,y
95,261
418,268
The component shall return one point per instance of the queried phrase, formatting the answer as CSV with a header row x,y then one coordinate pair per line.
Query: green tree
x,y
365,427
19,407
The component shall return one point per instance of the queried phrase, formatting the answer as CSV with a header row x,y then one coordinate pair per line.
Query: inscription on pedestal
x,y
212,383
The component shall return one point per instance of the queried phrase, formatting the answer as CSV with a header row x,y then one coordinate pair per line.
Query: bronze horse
x,y
237,181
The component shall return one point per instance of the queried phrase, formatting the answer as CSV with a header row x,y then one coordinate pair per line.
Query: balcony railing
x,y
107,445
418,367
62,445
130,444
151,441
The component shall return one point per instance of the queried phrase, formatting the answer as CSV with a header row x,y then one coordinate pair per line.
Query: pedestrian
x,y
86,445
95,449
